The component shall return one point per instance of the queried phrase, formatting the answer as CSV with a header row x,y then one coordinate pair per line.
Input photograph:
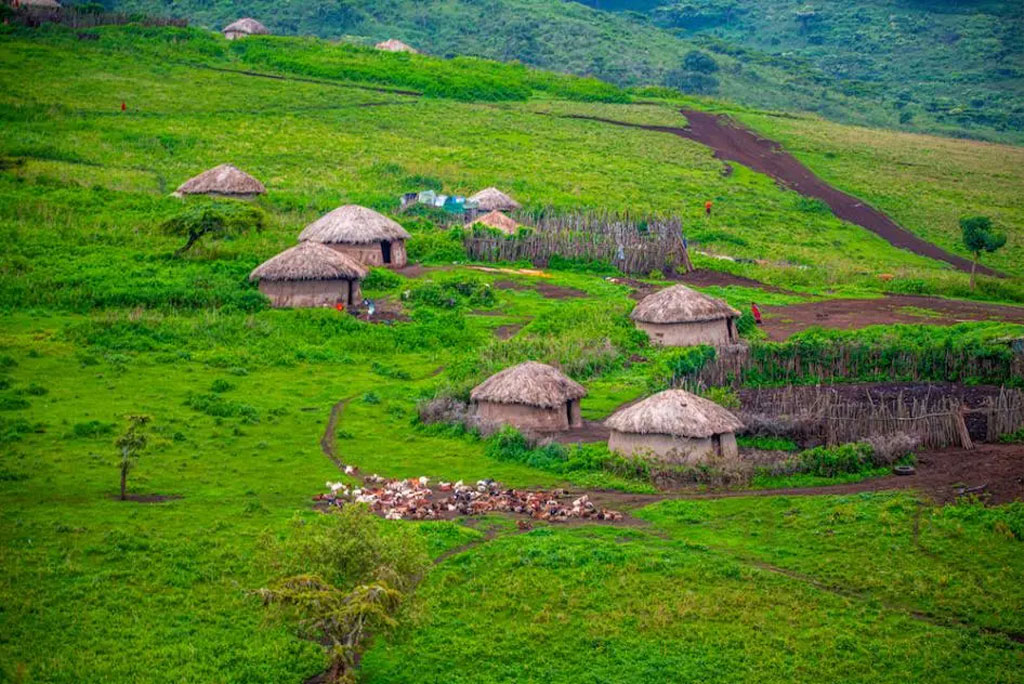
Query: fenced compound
x,y
810,363
936,421
632,244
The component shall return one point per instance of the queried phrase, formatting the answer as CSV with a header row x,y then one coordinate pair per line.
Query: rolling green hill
x,y
100,318
906,64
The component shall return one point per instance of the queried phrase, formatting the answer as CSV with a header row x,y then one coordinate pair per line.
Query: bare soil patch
x,y
546,290
705,277
848,314
504,332
590,431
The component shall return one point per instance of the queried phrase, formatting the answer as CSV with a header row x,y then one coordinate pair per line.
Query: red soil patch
x,y
848,314
735,143
504,332
705,277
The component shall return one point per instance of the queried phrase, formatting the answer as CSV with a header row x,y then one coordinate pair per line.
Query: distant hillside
x,y
922,65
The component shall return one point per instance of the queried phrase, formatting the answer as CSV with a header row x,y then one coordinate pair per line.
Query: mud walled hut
x,y
310,275
362,234
676,427
530,396
680,317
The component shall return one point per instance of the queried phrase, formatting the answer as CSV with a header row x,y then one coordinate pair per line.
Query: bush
x,y
219,407
221,219
701,62
383,280
454,292
92,428
436,247
221,385
723,396
823,461
888,449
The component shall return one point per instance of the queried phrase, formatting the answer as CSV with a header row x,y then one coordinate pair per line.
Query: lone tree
x,y
216,219
131,444
979,236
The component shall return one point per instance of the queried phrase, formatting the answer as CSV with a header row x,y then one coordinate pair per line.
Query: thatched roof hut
x,y
679,316
363,234
394,45
308,275
225,180
493,199
676,426
37,4
498,221
531,396
246,26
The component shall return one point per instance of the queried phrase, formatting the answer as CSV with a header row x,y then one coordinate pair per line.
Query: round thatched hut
x,y
531,396
222,181
245,27
678,317
498,221
674,426
394,45
310,275
363,234
493,199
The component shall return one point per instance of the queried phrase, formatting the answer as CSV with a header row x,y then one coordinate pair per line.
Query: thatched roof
x,y
353,225
498,221
309,261
224,180
680,304
40,4
530,383
674,412
493,199
247,25
393,45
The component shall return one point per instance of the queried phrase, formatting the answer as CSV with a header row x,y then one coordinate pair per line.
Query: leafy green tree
x,y
701,62
131,444
343,576
222,220
980,236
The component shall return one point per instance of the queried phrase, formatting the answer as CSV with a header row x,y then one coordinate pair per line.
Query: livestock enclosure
x,y
633,244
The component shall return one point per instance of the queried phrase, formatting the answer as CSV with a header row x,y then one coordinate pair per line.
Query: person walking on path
x,y
707,209
757,313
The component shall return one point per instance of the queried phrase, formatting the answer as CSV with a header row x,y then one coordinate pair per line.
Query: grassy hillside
x,y
914,66
99,319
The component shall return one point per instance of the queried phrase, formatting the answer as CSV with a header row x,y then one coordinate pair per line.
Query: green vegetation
x,y
924,66
101,320
979,236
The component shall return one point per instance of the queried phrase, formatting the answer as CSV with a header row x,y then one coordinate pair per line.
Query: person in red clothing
x,y
757,313
707,208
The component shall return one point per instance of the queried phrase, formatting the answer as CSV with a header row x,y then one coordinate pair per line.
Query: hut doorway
x,y
568,413
385,251
716,444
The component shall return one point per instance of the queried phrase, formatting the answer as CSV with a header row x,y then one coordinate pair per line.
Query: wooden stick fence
x,y
631,244
937,422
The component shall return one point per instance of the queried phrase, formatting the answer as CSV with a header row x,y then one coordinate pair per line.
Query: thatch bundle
x,y
222,180
493,199
498,221
677,413
354,225
309,261
531,384
393,45
680,304
248,26
39,4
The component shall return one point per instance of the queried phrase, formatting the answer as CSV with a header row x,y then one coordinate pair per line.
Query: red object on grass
x,y
757,313
707,208
339,306
123,106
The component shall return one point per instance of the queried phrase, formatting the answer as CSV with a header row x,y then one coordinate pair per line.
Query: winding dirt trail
x,y
732,142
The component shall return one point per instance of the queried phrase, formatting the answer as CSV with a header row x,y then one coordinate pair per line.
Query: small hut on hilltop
x,y
498,221
222,181
363,234
676,427
530,396
394,45
678,316
245,27
310,275
493,199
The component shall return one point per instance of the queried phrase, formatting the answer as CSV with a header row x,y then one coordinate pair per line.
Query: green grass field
x,y
98,319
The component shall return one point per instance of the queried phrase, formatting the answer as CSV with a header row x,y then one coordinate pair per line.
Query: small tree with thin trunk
x,y
220,220
131,444
979,236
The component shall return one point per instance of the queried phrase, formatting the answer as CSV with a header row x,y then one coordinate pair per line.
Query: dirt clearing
x,y
849,314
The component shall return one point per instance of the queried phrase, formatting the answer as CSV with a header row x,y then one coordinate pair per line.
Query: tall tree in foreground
x,y
131,444
979,236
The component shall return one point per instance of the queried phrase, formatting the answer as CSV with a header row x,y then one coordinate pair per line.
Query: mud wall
x,y
672,449
526,417
310,293
715,333
372,254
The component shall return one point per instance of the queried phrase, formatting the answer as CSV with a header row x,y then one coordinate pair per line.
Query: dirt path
x,y
735,143
848,314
